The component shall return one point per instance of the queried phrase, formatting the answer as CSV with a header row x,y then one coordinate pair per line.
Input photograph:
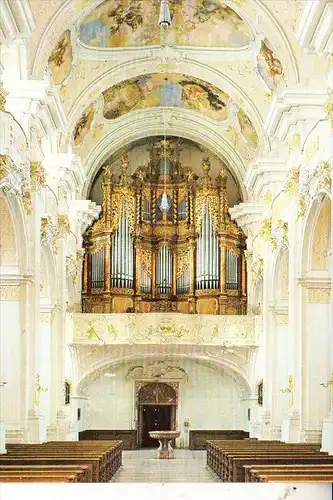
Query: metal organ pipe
x,y
207,272
164,270
122,254
232,270
97,269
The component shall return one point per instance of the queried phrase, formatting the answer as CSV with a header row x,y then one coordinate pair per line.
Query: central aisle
x,y
141,466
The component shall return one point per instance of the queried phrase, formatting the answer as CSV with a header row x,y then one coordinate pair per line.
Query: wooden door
x,y
154,418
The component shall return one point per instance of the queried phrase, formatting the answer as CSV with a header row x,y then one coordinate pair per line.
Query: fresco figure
x,y
60,60
83,126
269,67
247,129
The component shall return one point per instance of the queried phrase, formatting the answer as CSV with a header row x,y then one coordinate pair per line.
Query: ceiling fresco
x,y
269,66
203,23
60,60
176,90
164,90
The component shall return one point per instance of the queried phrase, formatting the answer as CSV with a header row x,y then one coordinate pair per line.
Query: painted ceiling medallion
x,y
203,23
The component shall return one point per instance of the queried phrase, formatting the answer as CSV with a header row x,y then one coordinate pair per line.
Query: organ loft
x,y
164,241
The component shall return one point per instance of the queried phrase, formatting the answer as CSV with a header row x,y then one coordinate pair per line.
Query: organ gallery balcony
x,y
164,328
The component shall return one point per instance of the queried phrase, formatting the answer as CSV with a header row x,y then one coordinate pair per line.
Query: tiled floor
x,y
141,466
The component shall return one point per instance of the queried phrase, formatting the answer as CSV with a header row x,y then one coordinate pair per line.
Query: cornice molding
x,y
265,173
314,282
315,31
16,20
291,106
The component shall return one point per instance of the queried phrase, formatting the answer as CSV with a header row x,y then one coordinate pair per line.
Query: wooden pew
x,y
83,472
109,453
127,436
286,478
218,452
65,478
198,438
252,471
228,458
101,459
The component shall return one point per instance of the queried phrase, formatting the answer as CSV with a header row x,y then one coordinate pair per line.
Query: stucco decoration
x,y
167,329
123,23
176,90
61,58
247,129
158,370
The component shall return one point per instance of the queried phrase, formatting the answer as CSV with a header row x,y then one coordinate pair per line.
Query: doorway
x,y
154,418
156,411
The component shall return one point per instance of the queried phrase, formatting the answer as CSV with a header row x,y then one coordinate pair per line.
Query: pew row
x,y
128,437
231,459
57,460
198,438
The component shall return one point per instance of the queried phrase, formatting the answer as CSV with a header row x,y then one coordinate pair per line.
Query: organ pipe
x,y
189,259
122,264
232,270
207,255
97,269
164,270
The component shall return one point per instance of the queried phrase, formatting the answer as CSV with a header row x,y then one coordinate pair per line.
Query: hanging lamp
x,y
164,20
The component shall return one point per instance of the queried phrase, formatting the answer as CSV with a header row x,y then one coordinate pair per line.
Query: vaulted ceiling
x,y
208,79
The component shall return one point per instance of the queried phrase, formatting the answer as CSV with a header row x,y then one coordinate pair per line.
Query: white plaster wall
x,y
10,334
318,367
110,403
282,370
45,370
210,400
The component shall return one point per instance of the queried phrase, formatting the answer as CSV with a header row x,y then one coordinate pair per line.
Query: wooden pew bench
x,y
228,458
252,472
286,478
83,473
51,478
102,458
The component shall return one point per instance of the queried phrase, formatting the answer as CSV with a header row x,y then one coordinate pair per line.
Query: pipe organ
x,y
164,242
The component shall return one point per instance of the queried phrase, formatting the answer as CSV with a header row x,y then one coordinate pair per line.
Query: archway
x,y
156,409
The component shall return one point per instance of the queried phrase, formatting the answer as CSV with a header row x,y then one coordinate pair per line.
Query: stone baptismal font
x,y
165,437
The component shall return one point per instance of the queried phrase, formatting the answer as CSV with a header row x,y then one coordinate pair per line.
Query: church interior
x,y
166,241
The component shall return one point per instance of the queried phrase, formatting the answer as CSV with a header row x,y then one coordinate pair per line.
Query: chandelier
x,y
164,20
165,204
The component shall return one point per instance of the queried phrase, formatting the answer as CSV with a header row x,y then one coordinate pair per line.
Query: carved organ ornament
x,y
164,242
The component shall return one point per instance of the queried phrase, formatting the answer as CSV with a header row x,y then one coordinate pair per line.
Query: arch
x,y
8,246
191,128
280,276
318,220
157,393
21,230
188,67
231,369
